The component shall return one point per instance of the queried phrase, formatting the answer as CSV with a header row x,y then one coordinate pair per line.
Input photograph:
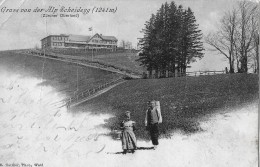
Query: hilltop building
x,y
97,41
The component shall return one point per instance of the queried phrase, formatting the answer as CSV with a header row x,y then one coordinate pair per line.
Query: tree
x,y
255,53
235,36
174,25
191,45
224,40
146,57
36,47
246,31
256,42
122,43
171,36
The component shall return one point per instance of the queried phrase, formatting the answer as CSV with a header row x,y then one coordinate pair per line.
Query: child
x,y
128,137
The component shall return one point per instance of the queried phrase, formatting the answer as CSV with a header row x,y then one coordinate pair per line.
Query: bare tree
x,y
128,45
224,40
245,33
256,42
123,43
236,35
254,54
36,47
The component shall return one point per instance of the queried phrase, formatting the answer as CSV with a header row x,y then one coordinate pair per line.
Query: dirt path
x,y
87,65
75,59
96,94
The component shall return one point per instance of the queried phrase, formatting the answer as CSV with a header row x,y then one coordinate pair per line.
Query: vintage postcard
x,y
118,83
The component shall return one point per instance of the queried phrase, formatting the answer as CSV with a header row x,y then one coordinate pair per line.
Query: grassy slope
x,y
126,60
184,101
60,75
123,59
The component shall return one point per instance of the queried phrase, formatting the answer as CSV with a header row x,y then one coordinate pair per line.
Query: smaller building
x,y
97,41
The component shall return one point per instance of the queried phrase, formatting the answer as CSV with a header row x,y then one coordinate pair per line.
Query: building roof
x,y
79,38
84,38
55,35
108,37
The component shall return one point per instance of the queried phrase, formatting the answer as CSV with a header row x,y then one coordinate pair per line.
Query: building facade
x,y
97,41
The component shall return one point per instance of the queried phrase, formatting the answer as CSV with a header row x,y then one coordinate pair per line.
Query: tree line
x,y
237,37
171,40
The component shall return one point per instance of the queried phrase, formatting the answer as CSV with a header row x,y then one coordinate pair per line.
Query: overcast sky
x,y
24,30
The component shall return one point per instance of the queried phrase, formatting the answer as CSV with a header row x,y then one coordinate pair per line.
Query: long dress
x,y
128,137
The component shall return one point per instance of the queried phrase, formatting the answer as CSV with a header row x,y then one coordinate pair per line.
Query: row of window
x,y
60,38
76,45
104,42
57,43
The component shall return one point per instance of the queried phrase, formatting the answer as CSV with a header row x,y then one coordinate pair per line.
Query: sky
x,y
20,30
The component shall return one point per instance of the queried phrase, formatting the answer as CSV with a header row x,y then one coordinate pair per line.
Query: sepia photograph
x,y
129,83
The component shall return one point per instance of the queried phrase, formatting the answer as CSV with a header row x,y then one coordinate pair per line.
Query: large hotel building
x,y
97,41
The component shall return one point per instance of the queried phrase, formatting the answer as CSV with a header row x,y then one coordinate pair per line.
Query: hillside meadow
x,y
65,77
184,101
121,59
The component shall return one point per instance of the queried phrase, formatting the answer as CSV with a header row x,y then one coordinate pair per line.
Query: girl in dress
x,y
128,137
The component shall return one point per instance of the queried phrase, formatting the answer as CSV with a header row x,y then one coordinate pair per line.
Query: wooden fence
x,y
199,73
178,74
81,96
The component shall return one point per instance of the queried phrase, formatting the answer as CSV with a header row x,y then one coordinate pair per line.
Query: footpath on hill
x,y
83,61
86,94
